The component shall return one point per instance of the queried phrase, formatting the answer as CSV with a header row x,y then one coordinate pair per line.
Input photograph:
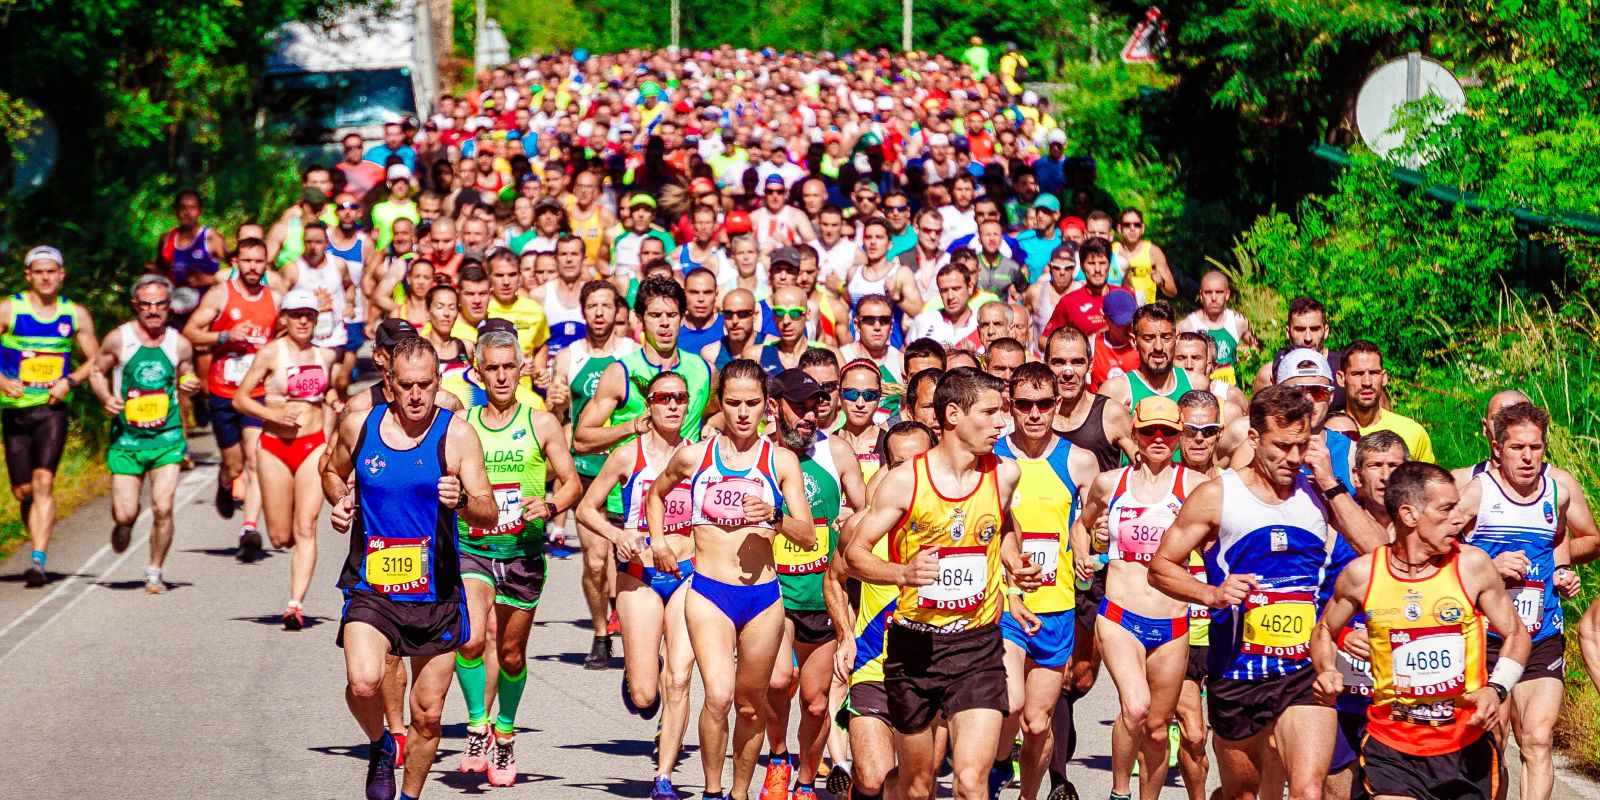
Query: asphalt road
x,y
199,693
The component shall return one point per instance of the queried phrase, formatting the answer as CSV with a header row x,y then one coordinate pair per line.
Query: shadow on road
x,y
276,620
228,552
124,586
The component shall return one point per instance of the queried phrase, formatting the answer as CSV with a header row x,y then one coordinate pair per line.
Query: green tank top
x,y
36,351
148,386
586,372
515,461
1227,345
801,572
1139,390
638,372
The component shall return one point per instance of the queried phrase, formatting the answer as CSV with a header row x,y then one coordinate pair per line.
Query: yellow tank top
x,y
872,621
1427,651
1044,506
1141,269
964,532
590,229
1199,613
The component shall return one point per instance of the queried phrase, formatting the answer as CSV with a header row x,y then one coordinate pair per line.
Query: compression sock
x,y
511,686
471,675
38,558
404,796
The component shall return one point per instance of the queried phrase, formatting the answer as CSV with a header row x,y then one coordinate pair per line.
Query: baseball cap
x,y
774,178
546,202
649,89
1156,410
392,330
399,172
780,143
1119,307
1303,362
299,300
44,252
493,324
738,221
313,196
641,199
1030,97
701,186
961,143
938,140
1056,136
1070,223
527,177
1047,201
794,385
784,255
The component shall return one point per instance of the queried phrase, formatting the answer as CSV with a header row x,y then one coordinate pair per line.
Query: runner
x,y
702,325
1426,599
348,241
738,316
776,223
1153,332
331,284
296,412
616,414
1497,401
874,325
1192,351
1227,328
443,310
1143,633
589,220
1260,687
149,364
189,253
1197,448
944,652
650,601
733,604
861,393
1306,327
235,321
561,298
790,310
503,565
527,314
1147,264
1365,382
37,329
402,579
1044,507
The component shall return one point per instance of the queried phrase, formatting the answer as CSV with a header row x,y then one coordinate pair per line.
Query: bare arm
x,y
1583,539
559,460
198,328
1348,592
655,503
88,342
854,488
1162,272
1193,530
336,471
591,434
795,524
104,362
464,463
1119,430
889,504
591,507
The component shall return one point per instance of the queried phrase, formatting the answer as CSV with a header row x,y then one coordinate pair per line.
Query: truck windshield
x,y
312,105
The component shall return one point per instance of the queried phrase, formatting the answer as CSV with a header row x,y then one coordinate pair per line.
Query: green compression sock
x,y
511,686
471,675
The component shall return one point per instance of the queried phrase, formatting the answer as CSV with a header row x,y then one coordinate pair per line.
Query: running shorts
x,y
811,627
355,335
1474,772
926,674
34,438
1052,646
1347,744
1238,709
1195,670
866,699
518,581
1547,659
138,461
413,629
227,424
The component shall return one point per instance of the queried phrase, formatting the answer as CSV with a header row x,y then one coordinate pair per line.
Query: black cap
x,y
392,330
491,324
794,385
784,255
546,201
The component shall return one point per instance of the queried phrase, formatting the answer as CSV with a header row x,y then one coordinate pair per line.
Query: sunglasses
x,y
1204,431
1030,406
852,395
932,231
874,319
896,209
350,206
1131,225
1317,392
743,313
151,304
829,386
777,191
663,398
1157,430
780,312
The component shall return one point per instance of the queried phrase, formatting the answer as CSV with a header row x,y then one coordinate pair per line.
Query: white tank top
x,y
131,344
860,286
327,283
1042,310
717,492
1137,527
557,311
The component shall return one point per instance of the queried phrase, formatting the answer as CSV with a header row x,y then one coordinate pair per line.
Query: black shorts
x,y
1195,670
926,674
1547,659
1347,744
1474,772
1088,603
227,424
810,627
413,629
35,438
866,699
518,581
1239,709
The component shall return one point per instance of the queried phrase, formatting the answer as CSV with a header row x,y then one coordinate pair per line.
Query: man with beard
x,y
1364,380
1154,328
1308,328
832,475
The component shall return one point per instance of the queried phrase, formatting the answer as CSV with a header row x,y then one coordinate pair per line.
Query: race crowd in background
x,y
864,401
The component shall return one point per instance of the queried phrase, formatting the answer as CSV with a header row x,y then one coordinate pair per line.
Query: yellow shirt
x,y
533,330
464,384
1043,506
1418,445
964,532
872,624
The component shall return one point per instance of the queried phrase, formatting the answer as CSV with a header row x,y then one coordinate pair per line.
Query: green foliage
x,y
529,25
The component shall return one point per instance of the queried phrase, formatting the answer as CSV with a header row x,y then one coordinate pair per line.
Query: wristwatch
x,y
461,501
1500,691
1335,490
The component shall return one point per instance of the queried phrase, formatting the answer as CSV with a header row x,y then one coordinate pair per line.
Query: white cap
x,y
398,172
1030,97
938,140
885,103
1056,136
44,252
1303,362
299,300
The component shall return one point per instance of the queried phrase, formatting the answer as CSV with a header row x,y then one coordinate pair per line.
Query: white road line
x,y
185,493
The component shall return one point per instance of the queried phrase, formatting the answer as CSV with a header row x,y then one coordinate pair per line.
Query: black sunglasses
x,y
1030,406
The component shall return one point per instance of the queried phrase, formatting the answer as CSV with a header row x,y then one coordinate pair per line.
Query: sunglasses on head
x,y
1157,430
743,313
664,398
1027,406
1203,431
781,312
869,395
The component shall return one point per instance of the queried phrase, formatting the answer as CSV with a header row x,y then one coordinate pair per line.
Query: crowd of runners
x,y
866,404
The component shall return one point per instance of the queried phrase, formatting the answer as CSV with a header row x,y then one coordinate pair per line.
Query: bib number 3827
x,y
962,580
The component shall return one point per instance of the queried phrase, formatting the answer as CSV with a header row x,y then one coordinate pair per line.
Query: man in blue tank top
x,y
423,467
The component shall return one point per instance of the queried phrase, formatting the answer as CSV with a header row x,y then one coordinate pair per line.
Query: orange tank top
x,y
249,324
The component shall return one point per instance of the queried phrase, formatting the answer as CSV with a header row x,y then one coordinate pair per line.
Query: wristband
x,y
1344,634
1505,675
1334,491
1013,591
222,337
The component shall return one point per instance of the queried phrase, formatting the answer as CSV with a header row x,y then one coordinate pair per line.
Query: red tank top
x,y
1110,361
249,324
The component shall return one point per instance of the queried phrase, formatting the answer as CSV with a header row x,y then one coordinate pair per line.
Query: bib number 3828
x,y
962,581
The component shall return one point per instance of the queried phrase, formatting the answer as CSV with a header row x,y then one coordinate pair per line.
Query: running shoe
x,y
839,779
225,503
399,748
33,577
503,763
153,584
1063,791
293,619
1128,796
380,770
647,712
556,547
776,784
662,789
121,535
1172,745
803,793
613,624
999,779
249,544
476,757
655,749
599,654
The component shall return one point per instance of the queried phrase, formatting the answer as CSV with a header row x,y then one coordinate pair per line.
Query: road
x,y
199,693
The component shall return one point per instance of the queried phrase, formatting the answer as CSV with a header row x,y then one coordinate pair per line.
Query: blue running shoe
x,y
662,790
380,769
999,779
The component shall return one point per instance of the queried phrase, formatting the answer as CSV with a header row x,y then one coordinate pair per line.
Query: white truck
x,y
365,68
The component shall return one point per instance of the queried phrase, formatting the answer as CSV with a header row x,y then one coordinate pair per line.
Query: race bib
x,y
39,370
962,581
146,408
234,368
1357,676
1528,597
325,323
1278,624
508,499
1139,533
1043,549
305,382
1199,610
678,505
724,500
397,566
790,559
1430,662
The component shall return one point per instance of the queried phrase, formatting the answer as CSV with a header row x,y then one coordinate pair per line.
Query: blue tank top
x,y
197,257
1506,524
717,492
353,253
403,544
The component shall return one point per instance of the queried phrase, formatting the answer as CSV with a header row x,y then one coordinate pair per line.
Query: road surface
x,y
199,692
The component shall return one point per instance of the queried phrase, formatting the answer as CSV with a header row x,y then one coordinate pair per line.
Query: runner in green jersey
x,y
149,364
505,563
616,413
